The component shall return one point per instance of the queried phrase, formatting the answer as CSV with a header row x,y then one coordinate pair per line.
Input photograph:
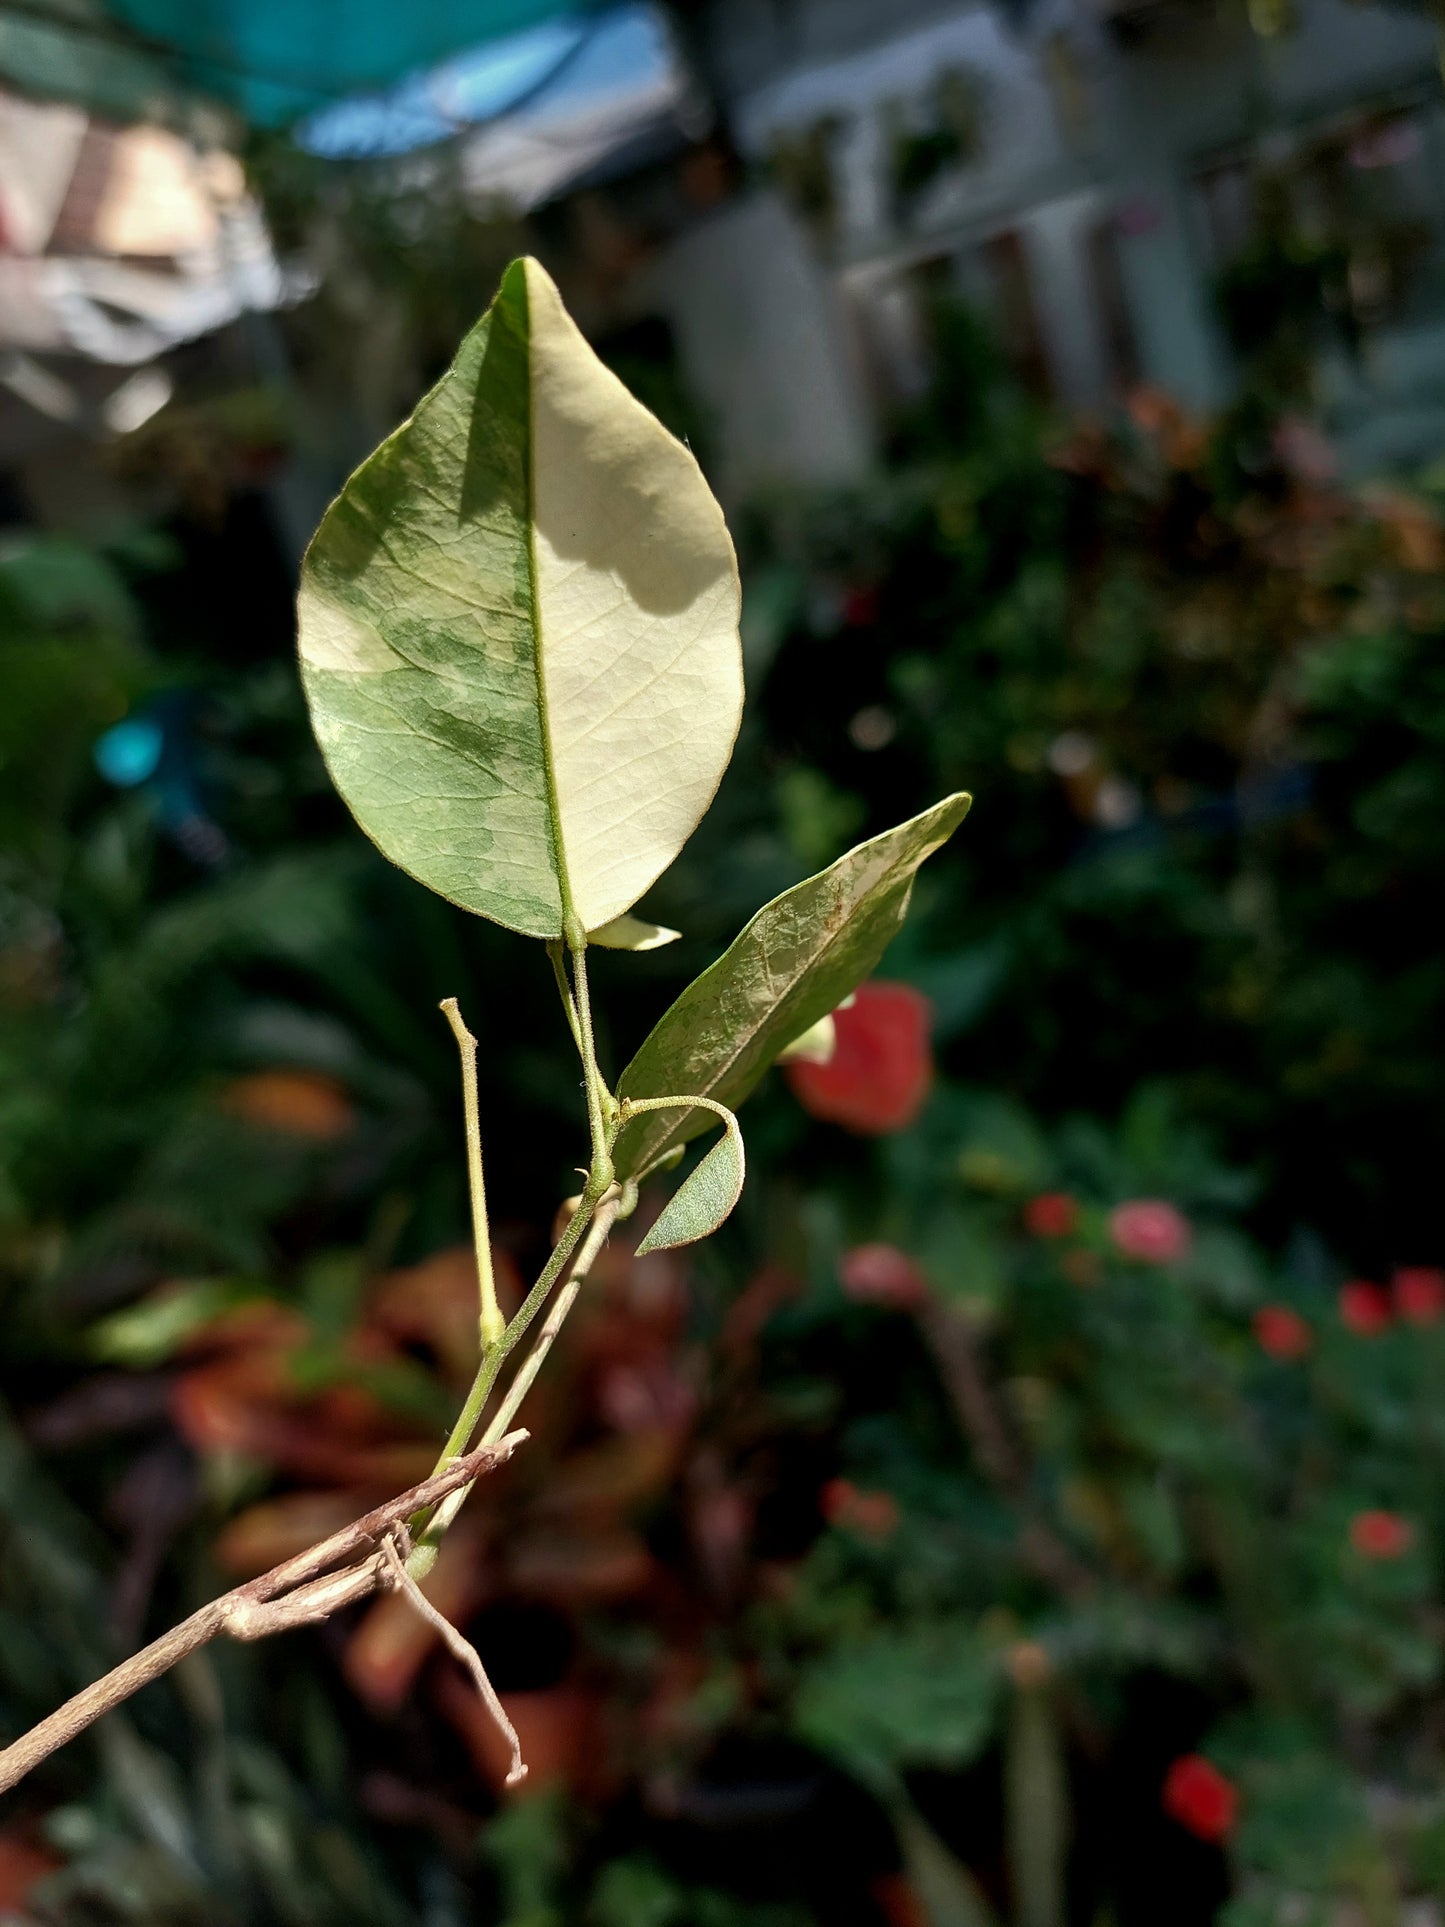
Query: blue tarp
x,y
275,60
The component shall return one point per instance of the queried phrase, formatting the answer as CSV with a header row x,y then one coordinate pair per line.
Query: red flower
x,y
1419,1294
1053,1214
881,1067
1381,1535
874,1515
880,1274
1282,1332
1364,1308
1198,1796
860,607
1150,1229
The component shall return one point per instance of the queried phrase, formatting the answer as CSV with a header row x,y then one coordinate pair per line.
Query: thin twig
x,y
490,1320
298,1592
461,1648
425,1531
597,1237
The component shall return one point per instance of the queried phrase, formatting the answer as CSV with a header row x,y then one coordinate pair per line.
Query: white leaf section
x,y
632,933
638,603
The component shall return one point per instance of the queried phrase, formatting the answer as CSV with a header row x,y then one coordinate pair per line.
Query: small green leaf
x,y
799,958
704,1198
519,631
146,1334
632,933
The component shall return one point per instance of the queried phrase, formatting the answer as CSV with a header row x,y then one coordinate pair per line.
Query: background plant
x,y
781,1458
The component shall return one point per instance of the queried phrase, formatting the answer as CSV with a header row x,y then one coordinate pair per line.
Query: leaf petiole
x,y
602,1114
557,957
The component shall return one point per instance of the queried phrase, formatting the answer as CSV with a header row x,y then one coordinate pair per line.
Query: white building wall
x,y
761,337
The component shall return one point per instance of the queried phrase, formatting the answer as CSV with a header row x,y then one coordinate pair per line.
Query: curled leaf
x,y
705,1197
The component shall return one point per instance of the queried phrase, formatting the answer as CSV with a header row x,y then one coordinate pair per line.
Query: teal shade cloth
x,y
278,59
272,60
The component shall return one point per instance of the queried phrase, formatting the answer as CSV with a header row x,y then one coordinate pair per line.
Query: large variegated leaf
x,y
519,631
801,955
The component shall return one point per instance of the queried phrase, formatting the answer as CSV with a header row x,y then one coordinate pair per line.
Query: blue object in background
x,y
155,751
276,60
130,753
574,62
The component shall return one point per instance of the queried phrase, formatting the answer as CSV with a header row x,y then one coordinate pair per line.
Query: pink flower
x,y
1199,1797
1053,1214
1150,1229
1381,1535
1282,1332
1364,1308
880,1274
881,1068
873,1515
1419,1294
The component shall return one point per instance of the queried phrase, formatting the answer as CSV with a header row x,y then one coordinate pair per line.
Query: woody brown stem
x,y
298,1592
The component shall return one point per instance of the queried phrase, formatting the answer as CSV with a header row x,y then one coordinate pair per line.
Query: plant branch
x,y
490,1321
607,1215
602,1224
298,1592
426,1532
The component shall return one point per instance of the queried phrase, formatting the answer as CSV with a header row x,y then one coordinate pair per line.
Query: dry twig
x,y
461,1648
298,1592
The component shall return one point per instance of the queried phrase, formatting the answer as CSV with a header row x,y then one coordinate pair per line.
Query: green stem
x,y
601,1106
557,957
607,1214
491,1321
602,1118
426,1531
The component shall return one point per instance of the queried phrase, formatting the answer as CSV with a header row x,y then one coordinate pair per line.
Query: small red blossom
x,y
1419,1292
1364,1308
1199,1797
881,1068
881,1274
1381,1535
1150,1229
1053,1214
1282,1332
860,606
873,1515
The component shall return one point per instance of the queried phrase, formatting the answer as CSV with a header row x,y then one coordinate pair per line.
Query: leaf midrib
x,y
549,774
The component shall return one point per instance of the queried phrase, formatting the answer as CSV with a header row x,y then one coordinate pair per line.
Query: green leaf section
x,y
417,643
797,960
705,1197
519,631
919,1694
